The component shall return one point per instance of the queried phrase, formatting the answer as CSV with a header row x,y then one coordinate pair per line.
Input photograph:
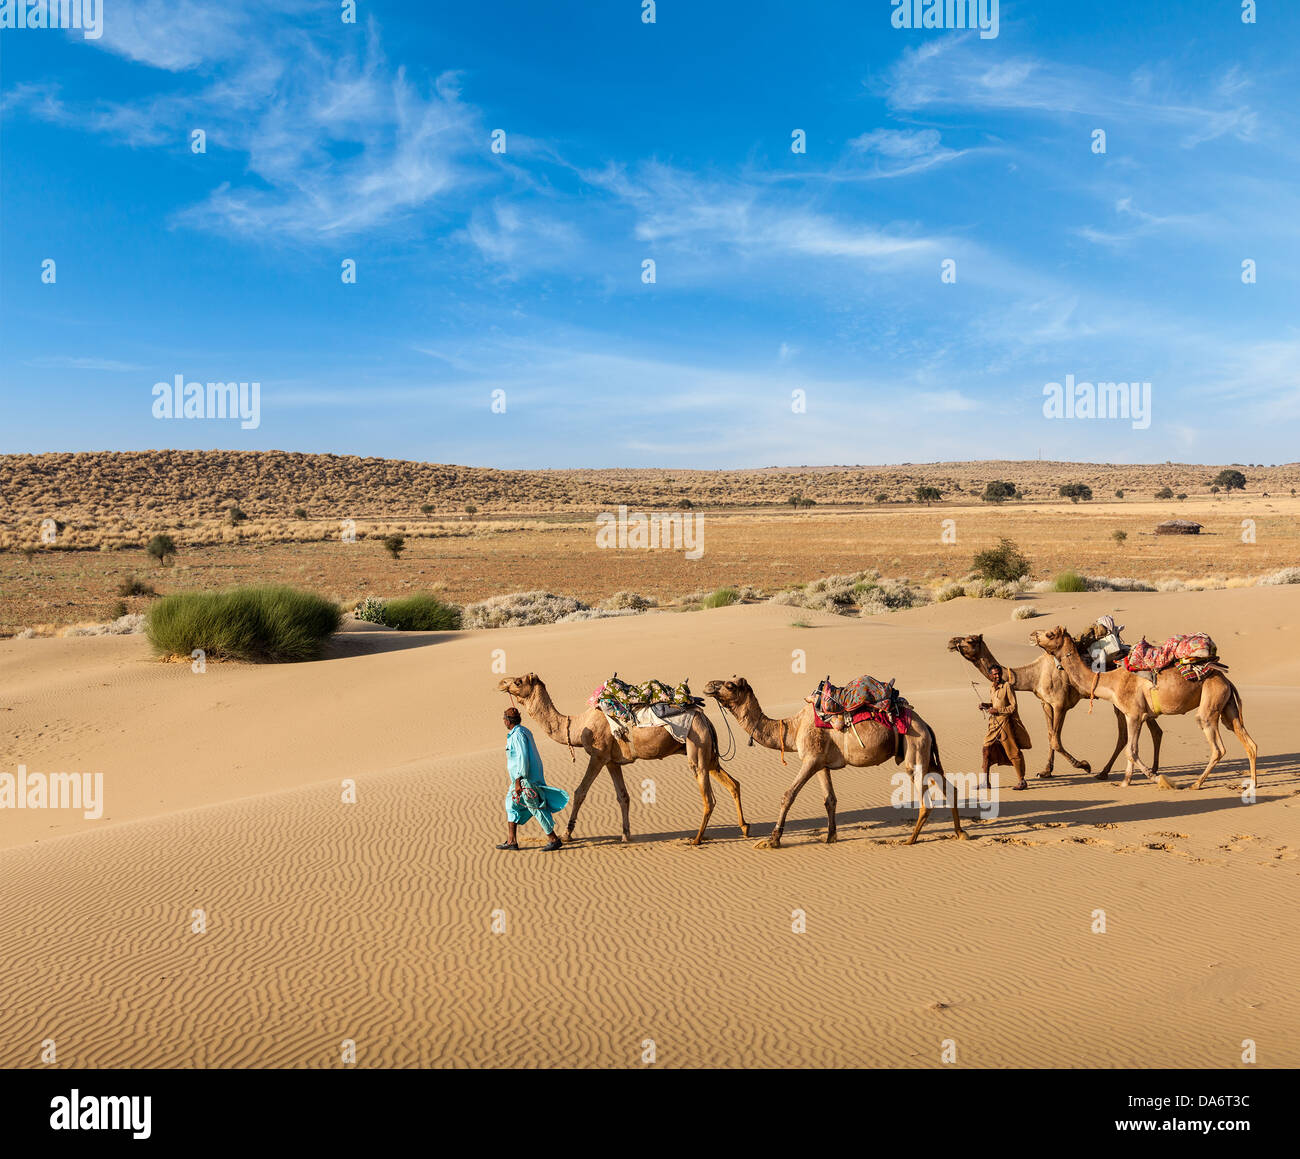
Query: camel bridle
x,y
568,721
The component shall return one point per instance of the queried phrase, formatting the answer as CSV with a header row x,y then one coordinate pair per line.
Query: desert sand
x,y
373,921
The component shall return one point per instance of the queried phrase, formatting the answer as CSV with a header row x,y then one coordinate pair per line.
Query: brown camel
x,y
1213,699
591,733
1047,680
822,749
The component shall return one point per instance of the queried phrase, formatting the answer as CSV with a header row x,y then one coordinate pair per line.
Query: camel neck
x,y
542,709
764,729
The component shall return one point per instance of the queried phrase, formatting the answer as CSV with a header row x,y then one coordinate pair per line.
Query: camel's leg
x,y
825,776
1131,759
1120,732
620,791
1232,716
706,791
805,773
1055,726
1053,737
922,803
1210,726
594,765
1134,731
1157,736
733,787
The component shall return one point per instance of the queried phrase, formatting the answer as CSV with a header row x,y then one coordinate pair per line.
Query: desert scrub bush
x,y
394,545
371,610
268,624
1024,613
421,612
520,609
129,624
628,601
1288,575
722,598
949,592
1069,581
1003,562
161,548
135,587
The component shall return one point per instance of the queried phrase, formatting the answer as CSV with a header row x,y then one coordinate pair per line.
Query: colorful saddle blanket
x,y
1193,655
622,701
866,698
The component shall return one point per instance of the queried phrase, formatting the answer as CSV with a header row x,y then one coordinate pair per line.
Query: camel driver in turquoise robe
x,y
530,795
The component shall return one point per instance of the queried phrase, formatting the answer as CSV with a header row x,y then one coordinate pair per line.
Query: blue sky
x,y
775,271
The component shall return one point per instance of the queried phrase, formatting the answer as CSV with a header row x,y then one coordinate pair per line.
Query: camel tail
x,y
713,736
936,765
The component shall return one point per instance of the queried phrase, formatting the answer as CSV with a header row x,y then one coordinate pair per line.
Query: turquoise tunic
x,y
523,760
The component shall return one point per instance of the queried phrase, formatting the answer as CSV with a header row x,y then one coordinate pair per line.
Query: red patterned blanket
x,y
1189,652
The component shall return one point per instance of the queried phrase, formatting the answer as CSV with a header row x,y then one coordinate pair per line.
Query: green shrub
x,y
427,508
421,613
300,513
1119,536
394,545
1075,491
236,515
161,548
1003,562
1069,581
371,610
135,587
998,490
263,624
722,598
1165,493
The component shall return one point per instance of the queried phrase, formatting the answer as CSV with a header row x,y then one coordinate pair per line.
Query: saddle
x,y
866,698
1194,656
622,701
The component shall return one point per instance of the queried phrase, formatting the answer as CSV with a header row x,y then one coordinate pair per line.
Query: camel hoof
x,y
768,843
830,838
744,830
1163,782
1102,776
963,836
1085,766
1020,788
1045,774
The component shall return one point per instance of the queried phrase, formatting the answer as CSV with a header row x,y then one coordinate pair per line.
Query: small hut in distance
x,y
1179,527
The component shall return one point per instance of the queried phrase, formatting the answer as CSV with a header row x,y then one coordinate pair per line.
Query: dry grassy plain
x,y
537,529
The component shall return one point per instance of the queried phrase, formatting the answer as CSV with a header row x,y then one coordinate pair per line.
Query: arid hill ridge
x,y
264,484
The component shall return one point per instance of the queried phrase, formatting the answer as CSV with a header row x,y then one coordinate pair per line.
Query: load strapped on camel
x,y
865,698
647,705
1194,656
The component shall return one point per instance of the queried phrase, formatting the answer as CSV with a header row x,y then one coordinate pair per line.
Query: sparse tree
x,y
928,494
236,515
1119,536
1003,562
162,549
998,490
1075,491
1119,493
394,545
471,509
1231,480
300,513
1165,493
426,508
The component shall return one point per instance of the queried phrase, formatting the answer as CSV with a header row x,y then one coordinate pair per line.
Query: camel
x,y
591,733
1213,699
821,750
1047,680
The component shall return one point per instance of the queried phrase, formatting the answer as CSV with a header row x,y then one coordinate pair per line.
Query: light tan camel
x,y
1213,699
822,749
1047,680
591,733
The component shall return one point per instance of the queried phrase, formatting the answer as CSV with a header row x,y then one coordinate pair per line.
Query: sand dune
x,y
373,921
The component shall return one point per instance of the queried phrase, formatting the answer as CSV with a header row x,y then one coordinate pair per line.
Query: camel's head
x,y
969,646
520,687
1053,642
728,693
